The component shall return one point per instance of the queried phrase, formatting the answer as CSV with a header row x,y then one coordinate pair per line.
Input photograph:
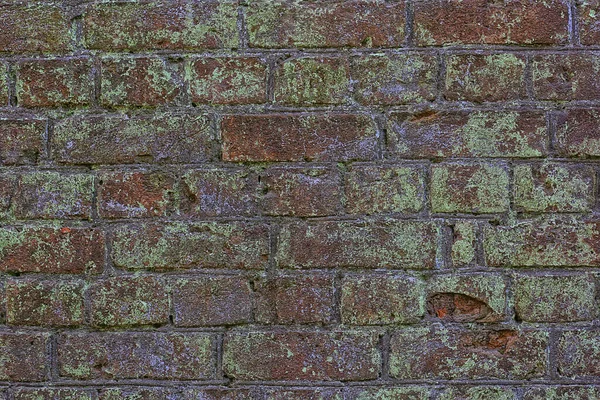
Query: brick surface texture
x,y
299,200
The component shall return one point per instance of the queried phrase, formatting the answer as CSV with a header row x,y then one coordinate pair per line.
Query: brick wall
x,y
299,200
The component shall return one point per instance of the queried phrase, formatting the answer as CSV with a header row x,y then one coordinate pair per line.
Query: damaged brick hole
x,y
456,307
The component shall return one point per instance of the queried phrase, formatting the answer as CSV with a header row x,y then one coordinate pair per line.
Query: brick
x,y
554,298
66,250
578,354
99,139
469,188
222,394
38,302
477,354
138,82
228,80
211,301
367,244
310,356
381,300
3,84
292,300
587,392
21,141
376,189
587,12
53,394
138,393
399,393
543,243
463,245
393,79
478,392
177,26
439,134
475,297
522,22
304,394
34,28
298,137
55,82
24,356
552,187
565,77
135,355
129,300
301,192
578,133
213,192
179,245
136,194
481,78
312,81
355,23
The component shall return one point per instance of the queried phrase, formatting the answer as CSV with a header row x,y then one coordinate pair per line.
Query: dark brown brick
x,y
24,356
565,77
21,141
53,394
578,133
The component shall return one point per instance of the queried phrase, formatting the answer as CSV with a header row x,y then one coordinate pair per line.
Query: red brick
x,y
135,355
178,25
136,194
99,139
44,302
127,300
67,250
587,11
298,137
578,133
439,134
212,301
24,356
355,23
366,244
228,80
427,353
177,393
34,28
301,192
311,356
292,300
523,22
55,82
565,77
138,81
21,140
284,393
202,245
578,354
53,394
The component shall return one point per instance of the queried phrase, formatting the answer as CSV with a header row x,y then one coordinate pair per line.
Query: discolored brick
x,y
24,357
578,354
21,141
478,392
587,12
138,393
578,133
587,392
3,84
400,393
53,394
303,394
565,77
464,242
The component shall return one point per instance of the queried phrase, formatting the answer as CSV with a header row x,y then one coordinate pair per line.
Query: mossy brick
x,y
179,245
56,82
485,77
520,22
34,28
138,393
553,187
464,242
284,393
355,23
51,249
443,134
312,81
33,393
24,356
128,301
138,82
222,393
381,300
136,355
478,393
44,302
299,137
548,242
578,354
211,301
554,298
161,25
456,353
228,80
391,393
475,188
588,14
393,244
476,297
301,191
295,299
108,139
3,84
299,355
578,133
570,392
395,79
565,76
135,194
21,141
217,191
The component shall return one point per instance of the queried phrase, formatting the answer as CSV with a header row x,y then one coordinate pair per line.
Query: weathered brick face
x,y
299,200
